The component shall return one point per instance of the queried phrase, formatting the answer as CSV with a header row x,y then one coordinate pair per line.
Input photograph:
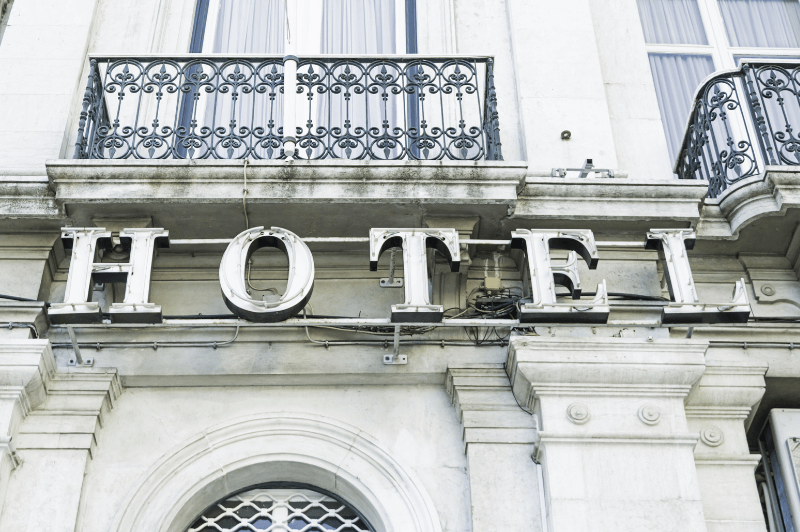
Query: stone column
x,y
730,388
498,440
614,441
53,422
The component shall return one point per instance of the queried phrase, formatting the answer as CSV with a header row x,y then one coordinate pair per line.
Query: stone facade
x,y
621,426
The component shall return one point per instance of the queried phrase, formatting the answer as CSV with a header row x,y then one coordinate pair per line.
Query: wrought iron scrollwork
x,y
741,122
213,107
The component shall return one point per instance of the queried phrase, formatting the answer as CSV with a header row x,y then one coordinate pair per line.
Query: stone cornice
x,y
201,181
77,402
486,407
29,366
603,366
770,194
652,201
731,385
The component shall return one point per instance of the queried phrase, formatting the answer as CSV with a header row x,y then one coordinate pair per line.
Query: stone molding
x,y
57,409
730,387
606,367
78,399
181,181
485,406
324,452
772,193
650,201
27,368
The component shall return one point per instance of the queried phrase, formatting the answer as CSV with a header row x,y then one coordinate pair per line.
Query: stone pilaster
x,y
26,370
498,440
614,441
717,409
53,424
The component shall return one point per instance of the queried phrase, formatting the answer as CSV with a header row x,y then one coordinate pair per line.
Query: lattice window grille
x,y
280,510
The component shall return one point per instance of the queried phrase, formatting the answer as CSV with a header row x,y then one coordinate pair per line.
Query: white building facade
x,y
521,265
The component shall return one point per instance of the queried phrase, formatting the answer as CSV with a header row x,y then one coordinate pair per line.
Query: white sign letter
x,y
298,287
672,245
545,308
83,271
415,242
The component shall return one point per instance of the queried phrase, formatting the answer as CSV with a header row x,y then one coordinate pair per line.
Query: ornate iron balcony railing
x,y
339,107
740,122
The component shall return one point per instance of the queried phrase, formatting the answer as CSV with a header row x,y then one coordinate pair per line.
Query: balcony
x,y
339,107
741,122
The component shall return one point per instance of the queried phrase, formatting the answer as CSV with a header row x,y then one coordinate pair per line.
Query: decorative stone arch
x,y
255,449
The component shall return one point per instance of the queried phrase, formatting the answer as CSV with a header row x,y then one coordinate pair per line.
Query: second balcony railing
x,y
339,107
740,122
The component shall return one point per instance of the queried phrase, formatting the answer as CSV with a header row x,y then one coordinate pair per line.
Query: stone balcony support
x,y
498,440
614,442
49,421
730,388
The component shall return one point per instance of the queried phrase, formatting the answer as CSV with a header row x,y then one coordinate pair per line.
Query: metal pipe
x,y
470,241
769,505
773,496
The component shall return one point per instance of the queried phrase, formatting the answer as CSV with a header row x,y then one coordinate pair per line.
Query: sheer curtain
x,y
676,77
252,27
671,22
358,27
762,23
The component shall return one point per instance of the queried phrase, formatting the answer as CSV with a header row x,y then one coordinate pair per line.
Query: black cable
x,y
621,295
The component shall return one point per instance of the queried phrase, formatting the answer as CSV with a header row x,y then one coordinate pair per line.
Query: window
x,y
322,27
687,40
280,507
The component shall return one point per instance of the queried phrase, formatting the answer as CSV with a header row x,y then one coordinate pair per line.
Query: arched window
x,y
281,507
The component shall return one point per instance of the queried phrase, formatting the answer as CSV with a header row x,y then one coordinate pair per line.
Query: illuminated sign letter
x,y
415,242
298,286
544,276
686,308
83,271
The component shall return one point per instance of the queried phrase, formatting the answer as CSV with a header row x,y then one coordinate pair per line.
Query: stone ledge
x,y
652,202
603,366
192,181
770,194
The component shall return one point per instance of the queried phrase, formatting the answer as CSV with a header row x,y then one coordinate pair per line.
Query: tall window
x,y
687,40
323,26
277,507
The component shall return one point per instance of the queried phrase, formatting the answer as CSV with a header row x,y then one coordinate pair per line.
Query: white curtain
x,y
253,27
359,27
762,23
676,77
671,22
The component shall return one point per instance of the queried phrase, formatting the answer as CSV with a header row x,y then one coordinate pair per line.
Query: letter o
x,y
298,287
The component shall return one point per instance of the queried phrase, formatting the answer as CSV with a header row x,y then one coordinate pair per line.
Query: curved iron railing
x,y
220,107
742,121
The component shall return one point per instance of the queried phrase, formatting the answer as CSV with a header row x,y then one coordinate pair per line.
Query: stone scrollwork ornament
x,y
649,414
578,413
712,436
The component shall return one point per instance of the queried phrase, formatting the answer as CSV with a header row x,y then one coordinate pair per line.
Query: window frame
x,y
718,47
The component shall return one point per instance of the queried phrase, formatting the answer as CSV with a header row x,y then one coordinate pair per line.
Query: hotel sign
x,y
542,305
